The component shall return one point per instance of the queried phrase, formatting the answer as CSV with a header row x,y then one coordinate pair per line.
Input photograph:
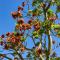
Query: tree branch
x,y
19,54
48,6
49,45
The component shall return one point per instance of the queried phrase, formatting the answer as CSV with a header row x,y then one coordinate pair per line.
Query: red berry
x,y
14,15
1,43
13,40
8,34
6,46
20,21
12,33
30,21
21,34
23,4
52,18
20,29
24,26
38,51
58,7
19,14
53,42
2,36
33,14
28,26
20,8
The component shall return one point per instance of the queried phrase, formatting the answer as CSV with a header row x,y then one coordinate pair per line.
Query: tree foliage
x,y
37,29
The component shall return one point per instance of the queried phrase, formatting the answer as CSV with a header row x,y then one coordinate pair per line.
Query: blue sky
x,y
7,23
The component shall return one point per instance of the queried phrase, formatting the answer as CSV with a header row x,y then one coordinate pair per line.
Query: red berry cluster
x,y
52,18
16,14
37,26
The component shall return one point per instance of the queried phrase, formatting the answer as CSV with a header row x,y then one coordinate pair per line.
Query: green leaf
x,y
34,10
41,31
0,39
57,58
37,43
58,32
34,33
23,39
30,11
58,9
36,2
57,2
55,26
50,11
36,36
15,33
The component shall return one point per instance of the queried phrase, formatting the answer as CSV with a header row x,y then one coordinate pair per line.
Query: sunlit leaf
x,y
0,39
55,26
36,36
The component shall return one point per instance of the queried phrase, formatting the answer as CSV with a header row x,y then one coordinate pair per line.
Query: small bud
x,y
2,36
23,4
